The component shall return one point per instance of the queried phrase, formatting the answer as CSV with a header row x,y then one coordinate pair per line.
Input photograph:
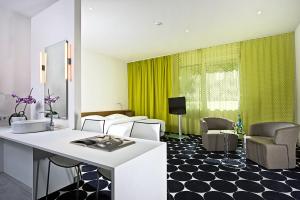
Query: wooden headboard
x,y
129,113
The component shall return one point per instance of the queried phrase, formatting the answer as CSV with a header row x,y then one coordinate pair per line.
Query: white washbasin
x,y
30,126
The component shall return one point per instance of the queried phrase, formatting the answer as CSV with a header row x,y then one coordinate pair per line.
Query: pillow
x,y
138,118
116,116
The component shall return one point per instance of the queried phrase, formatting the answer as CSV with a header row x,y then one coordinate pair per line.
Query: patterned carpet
x,y
196,174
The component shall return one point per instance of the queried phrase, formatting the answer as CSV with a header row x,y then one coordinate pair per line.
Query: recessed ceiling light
x,y
158,23
259,12
90,8
187,30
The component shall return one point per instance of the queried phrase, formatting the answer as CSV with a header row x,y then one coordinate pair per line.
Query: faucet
x,y
51,122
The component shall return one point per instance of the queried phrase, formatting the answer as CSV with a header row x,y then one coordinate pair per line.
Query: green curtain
x,y
268,79
187,82
149,86
209,79
255,78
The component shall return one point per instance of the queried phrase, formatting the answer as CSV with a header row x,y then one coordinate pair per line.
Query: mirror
x,y
56,78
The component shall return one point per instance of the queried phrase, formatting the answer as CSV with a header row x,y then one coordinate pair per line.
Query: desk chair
x,y
65,163
95,125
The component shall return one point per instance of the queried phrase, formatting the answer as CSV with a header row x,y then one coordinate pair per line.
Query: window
x,y
222,90
190,87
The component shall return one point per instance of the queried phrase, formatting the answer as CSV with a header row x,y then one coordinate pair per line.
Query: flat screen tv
x,y
177,105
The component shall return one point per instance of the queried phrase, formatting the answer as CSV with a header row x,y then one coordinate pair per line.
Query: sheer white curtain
x,y
209,79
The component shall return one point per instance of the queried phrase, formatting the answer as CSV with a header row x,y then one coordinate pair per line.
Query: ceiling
x,y
126,29
28,8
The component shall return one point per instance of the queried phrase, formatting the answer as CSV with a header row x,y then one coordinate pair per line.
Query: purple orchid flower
x,y
23,100
49,100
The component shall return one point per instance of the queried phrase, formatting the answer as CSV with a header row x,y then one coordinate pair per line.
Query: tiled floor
x,y
192,175
11,189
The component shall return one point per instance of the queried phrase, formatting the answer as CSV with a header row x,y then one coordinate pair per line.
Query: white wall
x,y
103,82
14,59
52,25
297,45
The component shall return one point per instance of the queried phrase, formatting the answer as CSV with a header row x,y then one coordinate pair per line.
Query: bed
x,y
117,123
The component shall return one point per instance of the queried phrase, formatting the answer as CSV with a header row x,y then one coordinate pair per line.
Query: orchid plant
x,y
22,100
49,100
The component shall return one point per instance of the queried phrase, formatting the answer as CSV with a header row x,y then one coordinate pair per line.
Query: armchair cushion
x,y
212,139
261,139
215,123
268,129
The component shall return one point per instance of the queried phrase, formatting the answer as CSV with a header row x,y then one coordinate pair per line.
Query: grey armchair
x,y
212,140
273,144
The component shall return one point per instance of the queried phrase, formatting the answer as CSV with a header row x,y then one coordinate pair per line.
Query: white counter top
x,y
58,142
134,168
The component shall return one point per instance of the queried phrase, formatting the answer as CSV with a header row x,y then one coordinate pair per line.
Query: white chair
x,y
146,130
61,162
93,125
120,130
162,124
89,124
64,163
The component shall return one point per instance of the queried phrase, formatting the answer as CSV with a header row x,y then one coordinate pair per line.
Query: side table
x,y
234,162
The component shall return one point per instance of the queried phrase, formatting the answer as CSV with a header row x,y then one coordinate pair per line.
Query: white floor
x,y
11,189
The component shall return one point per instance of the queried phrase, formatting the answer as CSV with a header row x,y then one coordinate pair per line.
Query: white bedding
x,y
120,121
120,125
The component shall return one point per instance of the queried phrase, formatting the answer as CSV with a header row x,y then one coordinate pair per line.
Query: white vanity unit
x,y
139,171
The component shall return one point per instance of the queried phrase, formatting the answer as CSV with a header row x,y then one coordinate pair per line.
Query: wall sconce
x,y
43,67
68,61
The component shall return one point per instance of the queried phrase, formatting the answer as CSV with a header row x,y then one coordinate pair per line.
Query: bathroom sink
x,y
30,126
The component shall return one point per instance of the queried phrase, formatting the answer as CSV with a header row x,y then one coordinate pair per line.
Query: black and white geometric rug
x,y
196,174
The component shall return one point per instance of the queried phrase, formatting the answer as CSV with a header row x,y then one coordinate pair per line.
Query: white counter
x,y
135,168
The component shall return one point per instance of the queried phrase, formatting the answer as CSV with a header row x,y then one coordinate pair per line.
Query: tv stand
x,y
179,136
